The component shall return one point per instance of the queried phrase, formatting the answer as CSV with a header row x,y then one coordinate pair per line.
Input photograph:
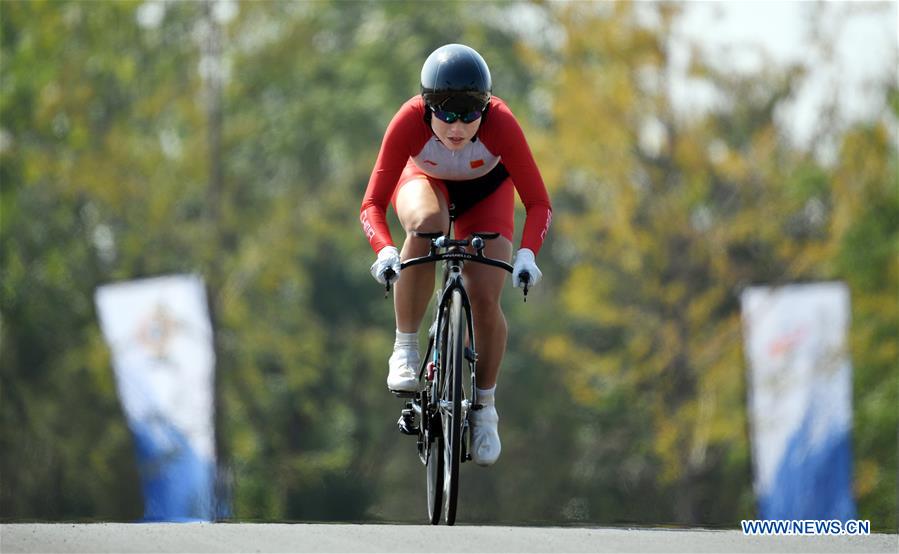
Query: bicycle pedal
x,y
404,393
407,426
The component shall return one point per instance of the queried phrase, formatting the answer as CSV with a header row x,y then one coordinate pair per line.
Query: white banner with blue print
x,y
800,400
161,341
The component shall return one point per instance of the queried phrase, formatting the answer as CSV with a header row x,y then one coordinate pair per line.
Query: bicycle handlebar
x,y
456,255
441,241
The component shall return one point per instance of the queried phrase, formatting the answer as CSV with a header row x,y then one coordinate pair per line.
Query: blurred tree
x,y
66,451
864,250
313,87
667,217
235,140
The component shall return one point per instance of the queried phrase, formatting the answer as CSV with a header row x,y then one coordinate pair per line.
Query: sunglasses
x,y
451,117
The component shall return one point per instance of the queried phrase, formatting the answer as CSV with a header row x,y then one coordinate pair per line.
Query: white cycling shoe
x,y
485,444
403,375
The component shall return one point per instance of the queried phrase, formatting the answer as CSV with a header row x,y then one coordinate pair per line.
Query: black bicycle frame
x,y
454,258
453,281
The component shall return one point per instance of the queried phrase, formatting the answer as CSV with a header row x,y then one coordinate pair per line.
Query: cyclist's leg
x,y
421,205
484,283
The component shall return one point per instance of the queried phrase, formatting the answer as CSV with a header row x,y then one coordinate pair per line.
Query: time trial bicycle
x,y
437,414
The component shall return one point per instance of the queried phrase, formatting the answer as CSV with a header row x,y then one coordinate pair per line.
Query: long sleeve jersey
x,y
499,139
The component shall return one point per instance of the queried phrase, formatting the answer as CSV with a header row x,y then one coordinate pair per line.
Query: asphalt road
x,y
241,537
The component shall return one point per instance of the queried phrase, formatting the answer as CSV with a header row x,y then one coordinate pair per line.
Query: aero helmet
x,y
456,78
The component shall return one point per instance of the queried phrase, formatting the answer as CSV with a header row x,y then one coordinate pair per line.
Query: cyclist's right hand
x,y
388,258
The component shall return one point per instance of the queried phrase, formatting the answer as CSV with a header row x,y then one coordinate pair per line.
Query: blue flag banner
x,y
800,400
161,341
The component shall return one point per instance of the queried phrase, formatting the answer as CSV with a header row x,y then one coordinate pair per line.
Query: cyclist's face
x,y
455,135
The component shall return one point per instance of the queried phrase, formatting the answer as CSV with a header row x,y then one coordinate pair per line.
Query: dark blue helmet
x,y
456,78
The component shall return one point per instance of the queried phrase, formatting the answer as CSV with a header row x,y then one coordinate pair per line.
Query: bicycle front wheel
x,y
451,405
432,444
435,474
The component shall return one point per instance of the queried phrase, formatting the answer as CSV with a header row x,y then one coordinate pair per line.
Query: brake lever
x,y
389,274
525,279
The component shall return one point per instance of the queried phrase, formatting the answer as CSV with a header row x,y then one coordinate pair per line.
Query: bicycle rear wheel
x,y
451,405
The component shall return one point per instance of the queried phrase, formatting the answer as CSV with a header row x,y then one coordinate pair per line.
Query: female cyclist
x,y
455,147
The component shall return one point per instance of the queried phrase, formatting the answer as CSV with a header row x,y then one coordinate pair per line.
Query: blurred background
x,y
690,150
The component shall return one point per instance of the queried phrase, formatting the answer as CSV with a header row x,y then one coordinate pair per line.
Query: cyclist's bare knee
x,y
421,208
425,221
485,286
484,303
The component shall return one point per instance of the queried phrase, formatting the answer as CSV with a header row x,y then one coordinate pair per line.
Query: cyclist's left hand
x,y
524,261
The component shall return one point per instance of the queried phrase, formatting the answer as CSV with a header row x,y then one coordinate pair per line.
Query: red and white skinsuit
x,y
411,150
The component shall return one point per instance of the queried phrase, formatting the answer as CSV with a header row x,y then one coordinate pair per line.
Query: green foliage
x,y
865,251
622,393
662,235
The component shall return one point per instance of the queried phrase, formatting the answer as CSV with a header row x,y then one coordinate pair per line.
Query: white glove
x,y
524,261
388,258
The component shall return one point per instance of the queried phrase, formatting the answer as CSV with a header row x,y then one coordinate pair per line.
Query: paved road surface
x,y
234,537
